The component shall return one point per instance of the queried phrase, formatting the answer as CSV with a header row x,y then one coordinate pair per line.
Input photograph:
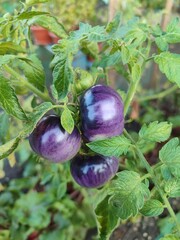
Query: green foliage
x,y
30,3
169,65
4,120
136,72
172,31
26,214
86,31
45,194
67,120
128,194
50,23
9,101
154,132
10,48
114,146
33,71
170,237
152,208
172,187
106,219
171,35
126,56
63,74
35,117
6,59
170,156
166,226
7,148
83,80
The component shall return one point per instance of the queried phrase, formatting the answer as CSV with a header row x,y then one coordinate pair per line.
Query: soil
x,y
143,229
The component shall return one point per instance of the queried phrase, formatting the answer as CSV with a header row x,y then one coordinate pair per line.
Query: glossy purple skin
x,y
102,113
52,142
93,171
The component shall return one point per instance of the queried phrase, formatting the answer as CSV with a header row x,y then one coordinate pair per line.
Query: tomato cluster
x,y
101,114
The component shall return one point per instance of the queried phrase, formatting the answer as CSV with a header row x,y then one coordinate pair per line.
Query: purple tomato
x,y
93,171
102,115
52,142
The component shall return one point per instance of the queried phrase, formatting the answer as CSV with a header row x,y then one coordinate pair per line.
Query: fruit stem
x,y
154,179
44,96
159,95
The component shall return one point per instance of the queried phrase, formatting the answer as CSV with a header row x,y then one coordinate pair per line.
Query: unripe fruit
x,y
93,171
102,115
83,80
52,142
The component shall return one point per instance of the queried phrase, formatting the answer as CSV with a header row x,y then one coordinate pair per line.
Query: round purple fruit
x,y
93,171
52,142
101,113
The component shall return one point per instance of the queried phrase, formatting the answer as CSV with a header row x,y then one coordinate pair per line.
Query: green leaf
x,y
83,80
172,187
34,204
10,48
9,101
62,76
61,190
155,132
170,237
169,65
30,3
152,208
4,125
136,36
67,120
6,59
123,31
166,174
63,72
128,194
106,219
34,72
173,31
161,43
29,15
173,25
114,24
50,23
115,146
110,60
9,147
35,117
167,225
136,72
86,31
125,54
170,156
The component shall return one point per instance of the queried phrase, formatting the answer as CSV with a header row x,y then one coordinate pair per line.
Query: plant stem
x,y
159,95
154,179
130,95
40,94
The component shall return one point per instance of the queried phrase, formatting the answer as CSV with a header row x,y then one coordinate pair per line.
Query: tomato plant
x,y
79,119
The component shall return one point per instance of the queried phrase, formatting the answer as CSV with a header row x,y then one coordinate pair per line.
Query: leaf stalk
x,y
44,96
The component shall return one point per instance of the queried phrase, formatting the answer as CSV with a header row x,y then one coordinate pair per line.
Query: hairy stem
x,y
159,95
130,95
40,94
